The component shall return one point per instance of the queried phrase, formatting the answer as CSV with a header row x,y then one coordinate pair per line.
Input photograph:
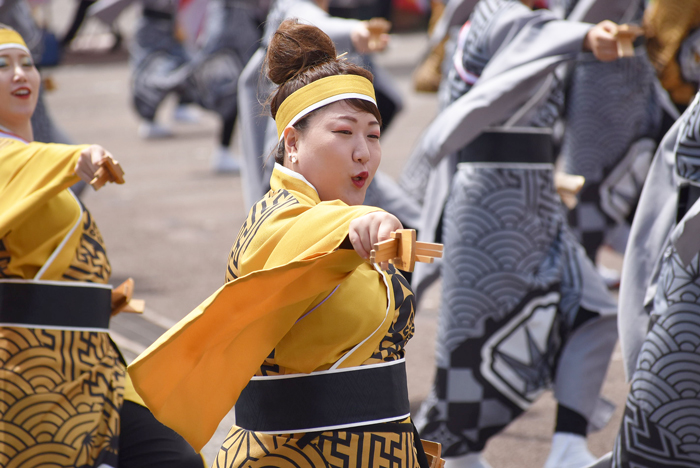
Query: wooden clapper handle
x,y
568,186
109,171
122,301
625,35
433,452
377,27
403,251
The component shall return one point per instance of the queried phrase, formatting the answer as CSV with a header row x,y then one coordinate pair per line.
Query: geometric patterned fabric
x,y
61,396
511,292
609,107
341,449
61,391
661,423
512,272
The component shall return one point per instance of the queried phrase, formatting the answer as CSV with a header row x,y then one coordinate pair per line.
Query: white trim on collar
x,y
4,133
64,241
295,175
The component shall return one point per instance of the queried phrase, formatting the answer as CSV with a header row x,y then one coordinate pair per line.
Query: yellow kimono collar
x,y
286,179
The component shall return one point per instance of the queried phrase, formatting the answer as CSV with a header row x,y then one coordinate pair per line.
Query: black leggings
x,y
145,442
227,130
78,19
570,421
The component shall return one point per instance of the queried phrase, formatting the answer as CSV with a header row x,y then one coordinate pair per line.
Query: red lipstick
x,y
22,92
360,179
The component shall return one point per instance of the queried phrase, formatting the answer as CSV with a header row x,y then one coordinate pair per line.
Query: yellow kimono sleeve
x,y
318,229
192,376
31,174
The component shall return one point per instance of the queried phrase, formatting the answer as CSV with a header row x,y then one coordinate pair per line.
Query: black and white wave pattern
x,y
661,424
610,106
511,290
500,232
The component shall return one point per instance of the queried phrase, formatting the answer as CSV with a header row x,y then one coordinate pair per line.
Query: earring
x,y
292,158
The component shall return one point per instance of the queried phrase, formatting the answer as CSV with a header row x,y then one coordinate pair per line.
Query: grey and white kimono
x,y
156,55
207,76
659,316
230,37
522,307
259,135
613,120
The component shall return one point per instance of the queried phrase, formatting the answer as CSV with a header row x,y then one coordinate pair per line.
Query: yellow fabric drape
x,y
355,312
192,376
36,212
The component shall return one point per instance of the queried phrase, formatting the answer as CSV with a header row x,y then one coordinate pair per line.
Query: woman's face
x,y
19,86
338,152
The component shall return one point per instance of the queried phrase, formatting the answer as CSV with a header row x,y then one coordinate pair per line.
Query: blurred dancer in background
x,y
522,308
206,72
613,122
231,35
158,57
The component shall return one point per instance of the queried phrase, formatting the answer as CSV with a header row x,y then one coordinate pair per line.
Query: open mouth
x,y
360,179
22,93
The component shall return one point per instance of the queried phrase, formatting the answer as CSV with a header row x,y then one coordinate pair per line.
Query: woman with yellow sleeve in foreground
x,y
62,380
306,338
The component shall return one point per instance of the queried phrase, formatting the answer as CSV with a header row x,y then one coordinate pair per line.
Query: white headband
x,y
325,102
12,45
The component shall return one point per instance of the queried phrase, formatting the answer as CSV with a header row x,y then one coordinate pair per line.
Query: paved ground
x,y
171,225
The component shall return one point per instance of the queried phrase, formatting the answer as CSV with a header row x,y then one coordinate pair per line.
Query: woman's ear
x,y
290,142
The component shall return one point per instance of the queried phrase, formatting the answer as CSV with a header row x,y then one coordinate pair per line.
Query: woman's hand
x,y
87,163
371,228
601,40
362,41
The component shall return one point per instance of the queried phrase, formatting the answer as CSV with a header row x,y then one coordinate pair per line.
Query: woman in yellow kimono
x,y
307,337
62,380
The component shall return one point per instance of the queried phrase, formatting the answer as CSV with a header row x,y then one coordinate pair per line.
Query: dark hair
x,y
300,54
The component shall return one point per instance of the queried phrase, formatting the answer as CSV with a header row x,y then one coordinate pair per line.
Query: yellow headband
x,y
10,39
321,93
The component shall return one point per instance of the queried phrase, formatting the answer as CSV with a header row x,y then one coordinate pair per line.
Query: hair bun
x,y
296,47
